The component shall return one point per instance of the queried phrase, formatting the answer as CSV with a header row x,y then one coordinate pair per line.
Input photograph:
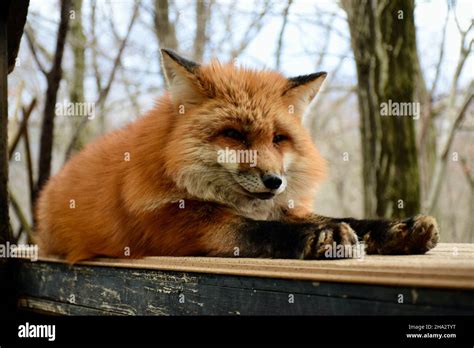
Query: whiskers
x,y
206,182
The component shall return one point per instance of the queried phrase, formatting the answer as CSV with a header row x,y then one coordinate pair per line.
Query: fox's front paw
x,y
426,233
414,235
331,241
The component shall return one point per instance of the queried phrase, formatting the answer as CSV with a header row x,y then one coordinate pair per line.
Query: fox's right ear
x,y
180,75
302,89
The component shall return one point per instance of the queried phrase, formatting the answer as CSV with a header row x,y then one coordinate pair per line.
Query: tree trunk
x,y
164,28
427,147
384,44
203,15
53,79
78,43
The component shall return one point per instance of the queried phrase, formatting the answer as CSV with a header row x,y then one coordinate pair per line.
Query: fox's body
x,y
156,187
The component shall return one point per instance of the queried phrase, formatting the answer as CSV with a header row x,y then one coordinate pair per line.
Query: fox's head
x,y
237,137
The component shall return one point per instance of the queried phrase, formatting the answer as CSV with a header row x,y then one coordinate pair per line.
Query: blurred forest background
x,y
106,52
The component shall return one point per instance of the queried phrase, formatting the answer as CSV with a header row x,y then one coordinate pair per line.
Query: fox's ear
x,y
180,75
302,89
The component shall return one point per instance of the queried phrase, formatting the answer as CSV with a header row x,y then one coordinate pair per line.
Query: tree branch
x,y
95,65
440,167
252,30
54,79
21,217
103,93
467,173
32,45
286,11
23,127
164,27
203,16
458,119
440,56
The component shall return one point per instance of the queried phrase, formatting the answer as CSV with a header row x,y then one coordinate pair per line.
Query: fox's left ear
x,y
301,90
181,78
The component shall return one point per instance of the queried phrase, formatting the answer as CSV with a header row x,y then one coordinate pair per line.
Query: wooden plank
x,y
49,307
446,266
85,289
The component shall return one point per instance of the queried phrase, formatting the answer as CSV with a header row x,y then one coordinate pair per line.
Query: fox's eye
x,y
279,138
233,134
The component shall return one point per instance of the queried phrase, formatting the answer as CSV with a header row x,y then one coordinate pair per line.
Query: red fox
x,y
222,166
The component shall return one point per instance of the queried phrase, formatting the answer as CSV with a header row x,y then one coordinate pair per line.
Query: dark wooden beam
x,y
12,20
5,233
60,289
16,22
440,282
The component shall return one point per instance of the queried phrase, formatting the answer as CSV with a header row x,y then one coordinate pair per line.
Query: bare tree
x,y
435,105
78,42
53,77
252,30
104,90
203,17
384,46
285,14
164,27
470,180
455,115
442,161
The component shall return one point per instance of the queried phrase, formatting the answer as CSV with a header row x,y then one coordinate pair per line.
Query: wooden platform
x,y
440,282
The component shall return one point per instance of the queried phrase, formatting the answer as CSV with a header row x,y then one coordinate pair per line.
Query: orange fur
x,y
135,203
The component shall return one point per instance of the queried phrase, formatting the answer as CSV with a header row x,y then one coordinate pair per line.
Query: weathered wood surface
x,y
446,266
202,286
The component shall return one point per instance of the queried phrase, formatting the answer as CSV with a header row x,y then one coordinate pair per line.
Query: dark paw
x,y
415,235
332,241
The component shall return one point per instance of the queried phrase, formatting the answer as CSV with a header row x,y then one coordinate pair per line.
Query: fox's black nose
x,y
271,181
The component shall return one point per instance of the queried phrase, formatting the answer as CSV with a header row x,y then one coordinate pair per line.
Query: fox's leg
x,y
207,230
303,240
415,235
